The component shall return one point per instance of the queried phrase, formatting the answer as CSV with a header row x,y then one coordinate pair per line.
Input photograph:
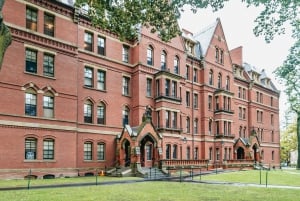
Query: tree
x,y
288,142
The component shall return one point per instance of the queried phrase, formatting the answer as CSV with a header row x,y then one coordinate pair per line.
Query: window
x,y
244,113
49,24
101,113
168,151
188,125
196,126
88,112
187,72
195,102
262,154
272,119
196,153
210,78
30,103
101,79
225,153
148,152
31,19
187,99
188,153
271,101
240,113
125,88
240,131
48,105
209,102
167,87
88,77
167,118
176,65
217,127
195,75
244,133
217,154
210,153
210,127
48,149
219,81
157,82
221,56
150,56
227,83
88,154
125,54
101,45
244,93
30,148
217,54
240,92
272,136
174,151
125,116
88,41
48,65
273,155
174,89
174,120
163,58
31,61
217,102
101,151
149,87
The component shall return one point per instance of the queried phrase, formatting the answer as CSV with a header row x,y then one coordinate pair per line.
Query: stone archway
x,y
240,153
148,151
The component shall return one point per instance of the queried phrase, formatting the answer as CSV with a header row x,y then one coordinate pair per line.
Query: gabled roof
x,y
205,36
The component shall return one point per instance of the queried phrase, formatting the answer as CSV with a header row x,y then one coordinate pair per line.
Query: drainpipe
x,y
193,151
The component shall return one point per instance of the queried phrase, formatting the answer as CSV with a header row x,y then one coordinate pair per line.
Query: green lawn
x,y
152,191
38,182
275,177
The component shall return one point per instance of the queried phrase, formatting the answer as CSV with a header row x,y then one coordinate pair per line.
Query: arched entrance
x,y
255,152
240,153
148,151
127,153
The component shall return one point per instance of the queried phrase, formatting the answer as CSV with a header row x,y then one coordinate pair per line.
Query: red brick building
x,y
76,100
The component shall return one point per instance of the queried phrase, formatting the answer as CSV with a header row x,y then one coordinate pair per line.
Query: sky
x,y
238,23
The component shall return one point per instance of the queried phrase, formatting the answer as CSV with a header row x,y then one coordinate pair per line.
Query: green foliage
x,y
288,141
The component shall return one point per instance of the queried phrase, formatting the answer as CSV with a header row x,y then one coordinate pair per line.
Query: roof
x,y
205,36
68,2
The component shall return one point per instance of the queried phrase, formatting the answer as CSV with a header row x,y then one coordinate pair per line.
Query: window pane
x,y
30,148
100,152
31,19
48,24
31,61
88,77
48,150
48,65
30,104
101,45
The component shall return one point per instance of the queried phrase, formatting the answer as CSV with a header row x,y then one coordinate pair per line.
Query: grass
x,y
154,191
274,177
39,182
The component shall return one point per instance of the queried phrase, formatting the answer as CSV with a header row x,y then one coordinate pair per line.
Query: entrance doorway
x,y
147,156
240,153
127,150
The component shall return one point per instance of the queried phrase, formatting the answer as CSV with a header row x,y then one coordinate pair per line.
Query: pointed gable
x,y
204,37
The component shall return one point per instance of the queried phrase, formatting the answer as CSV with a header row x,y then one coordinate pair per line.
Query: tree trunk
x,y
298,138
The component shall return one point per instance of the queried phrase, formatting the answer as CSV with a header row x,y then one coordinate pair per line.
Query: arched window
x,y
48,105
30,102
196,126
211,77
163,60
228,83
48,149
219,81
101,113
125,116
30,148
150,55
88,112
188,122
176,65
168,151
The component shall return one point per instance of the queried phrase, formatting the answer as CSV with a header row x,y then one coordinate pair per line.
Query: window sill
x,y
43,76
39,161
92,88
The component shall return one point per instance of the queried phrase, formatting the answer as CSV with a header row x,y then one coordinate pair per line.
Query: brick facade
x,y
69,118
